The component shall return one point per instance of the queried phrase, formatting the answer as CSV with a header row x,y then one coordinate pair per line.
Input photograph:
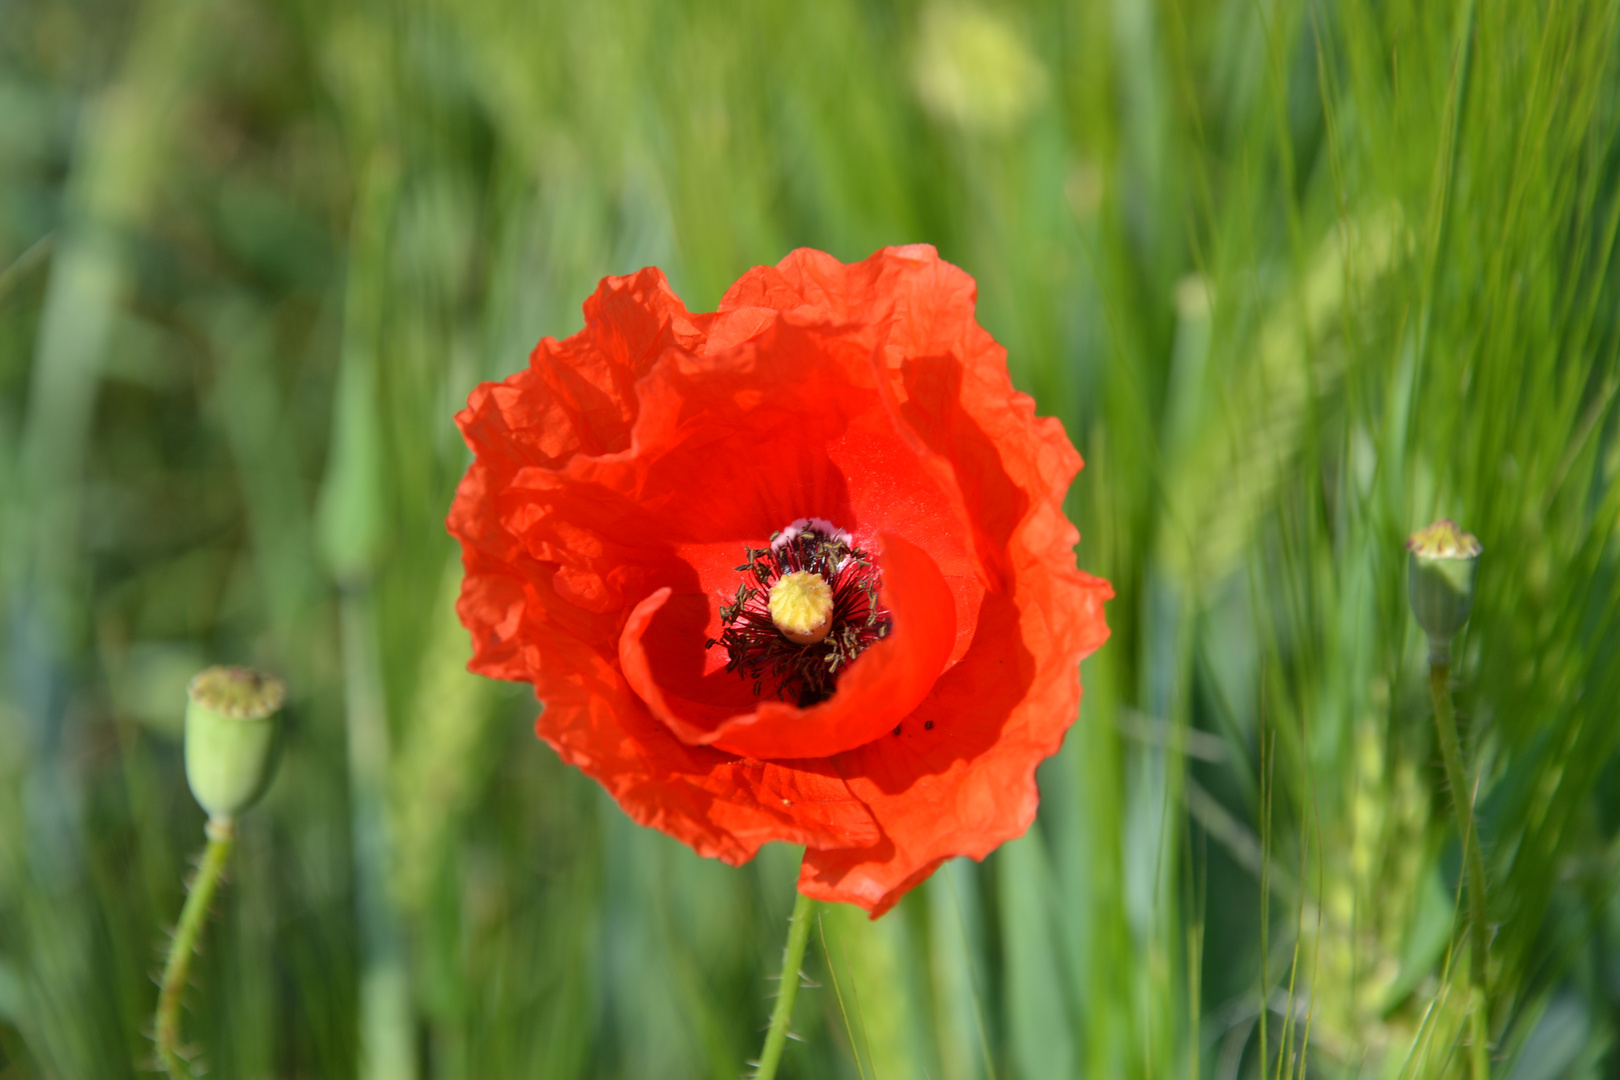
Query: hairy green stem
x,y
792,958
221,838
1462,804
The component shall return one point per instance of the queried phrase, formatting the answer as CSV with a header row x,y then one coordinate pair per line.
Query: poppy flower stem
x,y
1462,804
221,838
792,957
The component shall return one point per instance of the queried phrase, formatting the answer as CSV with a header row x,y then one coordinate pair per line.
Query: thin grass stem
x,y
849,1030
973,979
20,267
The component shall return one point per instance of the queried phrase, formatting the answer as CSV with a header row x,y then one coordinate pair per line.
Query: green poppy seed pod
x,y
232,723
1442,563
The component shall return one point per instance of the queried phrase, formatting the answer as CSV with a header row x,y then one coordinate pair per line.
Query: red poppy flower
x,y
796,570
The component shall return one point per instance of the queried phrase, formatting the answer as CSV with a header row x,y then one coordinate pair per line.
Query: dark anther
x,y
928,725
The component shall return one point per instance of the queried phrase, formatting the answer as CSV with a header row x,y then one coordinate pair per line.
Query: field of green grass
x,y
1298,276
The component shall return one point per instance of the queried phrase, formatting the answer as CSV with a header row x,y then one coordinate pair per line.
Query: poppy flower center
x,y
807,607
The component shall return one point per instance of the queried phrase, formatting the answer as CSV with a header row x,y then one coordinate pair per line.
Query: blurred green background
x,y
1298,276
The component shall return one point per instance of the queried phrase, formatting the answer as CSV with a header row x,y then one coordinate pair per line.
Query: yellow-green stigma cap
x,y
232,723
801,606
1442,562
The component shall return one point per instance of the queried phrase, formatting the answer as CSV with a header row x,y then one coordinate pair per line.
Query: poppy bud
x,y
1442,564
231,727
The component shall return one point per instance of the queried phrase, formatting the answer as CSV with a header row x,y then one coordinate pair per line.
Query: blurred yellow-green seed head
x,y
232,724
1442,562
974,69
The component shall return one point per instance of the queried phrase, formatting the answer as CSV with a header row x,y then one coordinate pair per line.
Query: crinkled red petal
x,y
958,779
